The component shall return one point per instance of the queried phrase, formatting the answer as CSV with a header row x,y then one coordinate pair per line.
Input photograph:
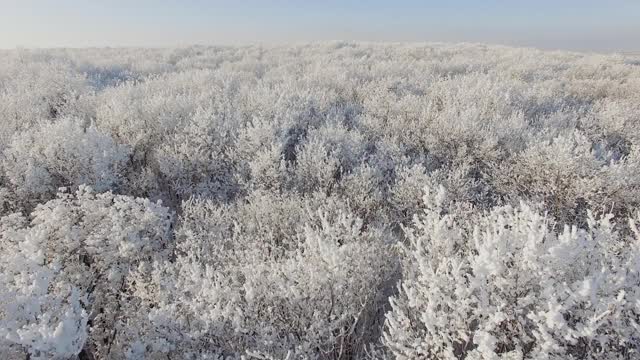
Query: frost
x,y
319,201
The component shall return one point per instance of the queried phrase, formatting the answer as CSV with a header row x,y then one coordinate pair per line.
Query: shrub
x,y
315,294
66,271
66,153
504,285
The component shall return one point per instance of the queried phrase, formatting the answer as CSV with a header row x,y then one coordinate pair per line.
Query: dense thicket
x,y
325,201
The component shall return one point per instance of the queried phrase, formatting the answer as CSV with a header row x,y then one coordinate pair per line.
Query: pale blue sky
x,y
604,25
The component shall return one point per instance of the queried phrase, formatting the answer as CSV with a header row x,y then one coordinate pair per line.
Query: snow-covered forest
x,y
323,201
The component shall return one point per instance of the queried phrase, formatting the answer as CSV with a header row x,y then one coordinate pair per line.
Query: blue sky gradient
x,y
605,25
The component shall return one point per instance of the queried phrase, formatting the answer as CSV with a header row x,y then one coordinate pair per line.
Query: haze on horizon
x,y
572,25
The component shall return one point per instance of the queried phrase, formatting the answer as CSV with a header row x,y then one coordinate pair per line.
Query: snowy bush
x,y
195,160
41,312
503,285
66,269
314,294
34,86
66,153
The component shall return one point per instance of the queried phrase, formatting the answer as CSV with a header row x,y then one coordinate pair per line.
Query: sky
x,y
587,25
